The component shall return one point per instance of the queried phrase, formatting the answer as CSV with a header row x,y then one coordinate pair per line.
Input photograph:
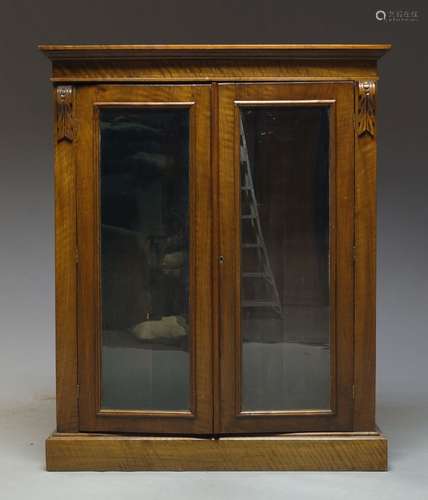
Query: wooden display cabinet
x,y
215,257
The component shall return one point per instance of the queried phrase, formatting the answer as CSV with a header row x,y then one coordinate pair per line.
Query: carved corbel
x,y
64,113
366,108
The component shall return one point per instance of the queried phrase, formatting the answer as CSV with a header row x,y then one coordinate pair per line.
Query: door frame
x,y
198,419
340,98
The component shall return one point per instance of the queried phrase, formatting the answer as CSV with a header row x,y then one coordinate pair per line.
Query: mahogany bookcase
x,y
215,257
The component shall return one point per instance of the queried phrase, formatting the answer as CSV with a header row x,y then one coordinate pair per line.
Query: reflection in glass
x,y
285,302
144,258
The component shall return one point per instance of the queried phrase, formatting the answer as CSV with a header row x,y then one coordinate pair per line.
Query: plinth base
x,y
292,452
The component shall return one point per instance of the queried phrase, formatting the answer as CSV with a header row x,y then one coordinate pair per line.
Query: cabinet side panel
x,y
65,262
365,258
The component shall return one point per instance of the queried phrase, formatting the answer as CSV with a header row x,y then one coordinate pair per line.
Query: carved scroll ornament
x,y
64,113
366,108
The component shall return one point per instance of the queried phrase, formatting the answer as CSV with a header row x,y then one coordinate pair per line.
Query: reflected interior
x,y
145,258
285,298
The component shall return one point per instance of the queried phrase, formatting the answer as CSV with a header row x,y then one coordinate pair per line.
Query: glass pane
x,y
285,303
144,258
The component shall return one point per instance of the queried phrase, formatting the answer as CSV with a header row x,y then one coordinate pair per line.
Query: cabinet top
x,y
280,51
212,63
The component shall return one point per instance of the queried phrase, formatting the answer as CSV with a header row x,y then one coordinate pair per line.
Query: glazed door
x,y
286,198
144,269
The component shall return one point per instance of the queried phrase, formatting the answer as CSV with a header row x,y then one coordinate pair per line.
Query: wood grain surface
x,y
65,273
310,452
365,279
213,51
